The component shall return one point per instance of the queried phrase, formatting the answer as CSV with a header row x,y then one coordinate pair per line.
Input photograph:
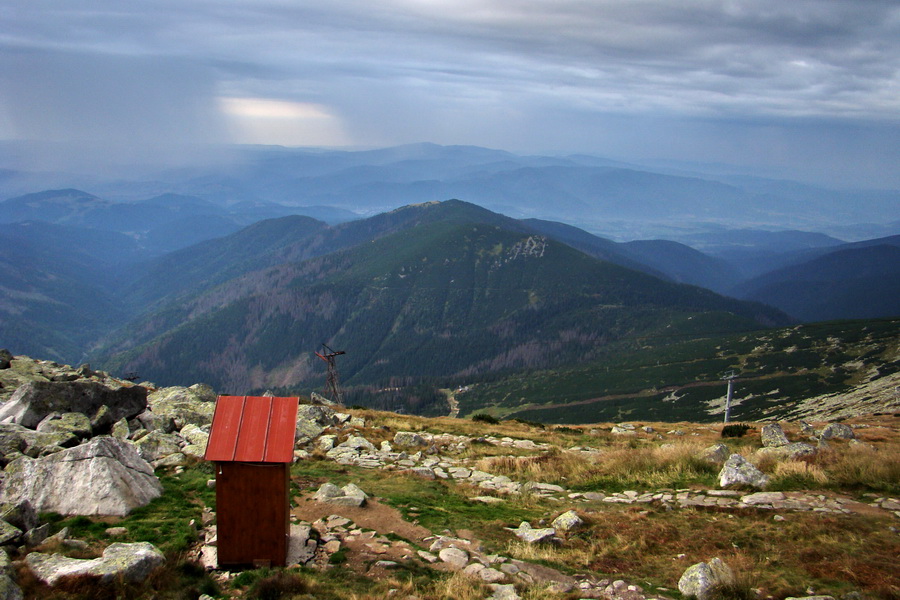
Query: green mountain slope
x,y
850,283
454,293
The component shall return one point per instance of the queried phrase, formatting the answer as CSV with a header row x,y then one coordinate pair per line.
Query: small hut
x,y
252,445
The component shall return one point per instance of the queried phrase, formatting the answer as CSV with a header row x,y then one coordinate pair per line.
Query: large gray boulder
x,y
702,580
349,495
837,431
131,563
772,436
105,476
35,400
739,472
183,405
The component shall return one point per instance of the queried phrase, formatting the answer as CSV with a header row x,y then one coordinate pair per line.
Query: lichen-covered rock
x,y
120,429
132,563
838,431
772,436
21,514
530,535
568,521
789,451
357,442
194,435
716,454
701,580
156,445
33,401
8,588
739,472
105,476
9,533
409,438
349,495
71,423
195,404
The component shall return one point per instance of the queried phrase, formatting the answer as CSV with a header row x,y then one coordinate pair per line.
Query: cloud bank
x,y
811,85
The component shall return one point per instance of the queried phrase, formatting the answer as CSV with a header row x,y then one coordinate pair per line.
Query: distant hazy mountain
x,y
614,199
55,298
860,280
160,224
437,290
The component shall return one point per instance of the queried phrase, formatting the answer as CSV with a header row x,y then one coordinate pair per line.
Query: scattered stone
x,y
409,438
116,531
530,535
738,472
702,579
454,557
504,592
301,545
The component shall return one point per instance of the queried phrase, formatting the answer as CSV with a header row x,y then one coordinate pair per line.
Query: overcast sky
x,y
807,88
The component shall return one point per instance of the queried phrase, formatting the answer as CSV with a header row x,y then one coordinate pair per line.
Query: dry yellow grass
x,y
794,471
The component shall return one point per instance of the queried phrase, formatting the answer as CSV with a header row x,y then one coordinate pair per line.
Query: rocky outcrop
x,y
131,563
105,476
34,401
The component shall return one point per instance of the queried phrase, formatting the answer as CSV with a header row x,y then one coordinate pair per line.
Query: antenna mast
x,y
730,377
332,386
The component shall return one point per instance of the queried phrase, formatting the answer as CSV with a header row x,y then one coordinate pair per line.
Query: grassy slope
x,y
670,379
643,544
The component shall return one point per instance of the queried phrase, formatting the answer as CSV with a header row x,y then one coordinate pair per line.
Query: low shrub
x,y
735,430
485,418
279,585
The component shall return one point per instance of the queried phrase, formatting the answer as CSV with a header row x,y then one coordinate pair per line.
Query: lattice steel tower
x,y
332,385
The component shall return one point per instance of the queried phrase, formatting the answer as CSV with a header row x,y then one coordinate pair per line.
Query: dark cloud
x,y
526,75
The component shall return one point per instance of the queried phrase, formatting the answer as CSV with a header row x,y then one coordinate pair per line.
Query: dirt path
x,y
374,515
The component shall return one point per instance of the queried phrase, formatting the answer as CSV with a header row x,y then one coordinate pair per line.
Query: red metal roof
x,y
253,429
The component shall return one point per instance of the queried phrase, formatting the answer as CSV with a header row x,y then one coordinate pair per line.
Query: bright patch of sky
x,y
809,88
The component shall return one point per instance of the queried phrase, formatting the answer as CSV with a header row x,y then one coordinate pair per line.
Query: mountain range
x,y
239,289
